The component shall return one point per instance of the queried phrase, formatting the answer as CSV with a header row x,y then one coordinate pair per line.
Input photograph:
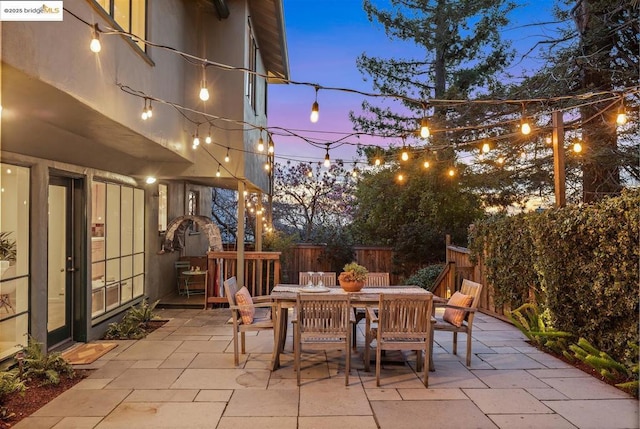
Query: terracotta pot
x,y
351,286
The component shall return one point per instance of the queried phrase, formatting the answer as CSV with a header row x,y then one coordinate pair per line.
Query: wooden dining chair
x,y
459,312
247,314
402,322
328,279
373,280
323,322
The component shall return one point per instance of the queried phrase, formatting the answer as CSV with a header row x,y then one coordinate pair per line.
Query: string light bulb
x,y
424,128
451,172
426,164
208,138
525,127
196,140
404,155
144,114
400,177
548,139
315,109
218,171
149,111
271,147
486,147
577,146
267,167
500,160
327,159
204,92
260,143
621,116
377,162
226,157
95,45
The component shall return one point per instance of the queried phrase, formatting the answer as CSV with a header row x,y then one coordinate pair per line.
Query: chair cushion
x,y
243,297
453,316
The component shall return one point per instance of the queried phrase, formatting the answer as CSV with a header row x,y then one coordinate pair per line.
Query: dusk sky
x,y
324,39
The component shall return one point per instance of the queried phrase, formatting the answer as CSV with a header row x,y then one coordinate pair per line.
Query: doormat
x,y
87,353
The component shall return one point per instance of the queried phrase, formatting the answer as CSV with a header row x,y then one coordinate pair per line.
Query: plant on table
x,y
353,272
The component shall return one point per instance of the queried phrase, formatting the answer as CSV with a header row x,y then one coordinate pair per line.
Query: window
x,y
252,78
163,208
117,246
130,15
14,259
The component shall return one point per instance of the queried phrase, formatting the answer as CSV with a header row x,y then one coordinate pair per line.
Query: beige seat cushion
x,y
454,316
243,298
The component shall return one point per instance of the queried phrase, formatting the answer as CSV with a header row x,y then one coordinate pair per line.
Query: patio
x,y
182,375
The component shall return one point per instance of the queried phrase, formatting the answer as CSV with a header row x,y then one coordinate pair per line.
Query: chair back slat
x,y
328,279
403,316
323,315
377,280
230,289
471,288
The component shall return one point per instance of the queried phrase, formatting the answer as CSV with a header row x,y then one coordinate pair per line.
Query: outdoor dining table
x,y
284,295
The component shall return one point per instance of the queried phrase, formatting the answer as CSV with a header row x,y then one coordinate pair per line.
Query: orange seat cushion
x,y
243,298
453,316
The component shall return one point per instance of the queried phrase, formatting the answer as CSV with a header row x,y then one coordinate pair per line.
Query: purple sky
x,y
324,39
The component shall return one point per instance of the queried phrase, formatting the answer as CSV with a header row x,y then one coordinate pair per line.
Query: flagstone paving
x,y
183,376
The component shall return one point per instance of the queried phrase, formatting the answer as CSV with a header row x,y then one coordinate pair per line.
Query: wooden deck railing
x,y
459,267
261,273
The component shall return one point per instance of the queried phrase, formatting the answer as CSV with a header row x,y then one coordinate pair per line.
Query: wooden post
x,y
558,159
240,236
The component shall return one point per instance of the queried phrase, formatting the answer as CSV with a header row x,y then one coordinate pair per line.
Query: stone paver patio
x,y
182,376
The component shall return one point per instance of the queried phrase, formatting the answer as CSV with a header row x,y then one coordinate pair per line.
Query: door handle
x,y
71,270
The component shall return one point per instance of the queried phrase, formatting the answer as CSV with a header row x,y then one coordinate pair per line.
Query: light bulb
x,y
327,160
451,172
226,157
548,139
95,40
207,139
621,118
486,147
271,147
377,161
400,177
196,141
150,180
267,167
310,173
577,147
204,93
144,115
218,171
424,129
426,164
260,144
149,110
315,114
500,160
525,128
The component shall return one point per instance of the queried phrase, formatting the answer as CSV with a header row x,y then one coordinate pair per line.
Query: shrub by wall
x,y
583,261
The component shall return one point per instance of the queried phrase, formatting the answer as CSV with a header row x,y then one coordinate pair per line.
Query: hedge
x,y
581,262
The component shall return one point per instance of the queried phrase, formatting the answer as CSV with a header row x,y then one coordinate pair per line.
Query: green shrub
x,y
10,384
46,367
580,262
133,324
535,325
426,277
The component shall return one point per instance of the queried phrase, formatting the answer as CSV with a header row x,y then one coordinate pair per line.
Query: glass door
x,y
61,267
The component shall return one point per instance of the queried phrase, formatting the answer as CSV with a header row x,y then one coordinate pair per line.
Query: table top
x,y
194,273
287,292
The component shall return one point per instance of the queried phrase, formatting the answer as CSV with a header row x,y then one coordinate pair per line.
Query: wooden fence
x,y
307,257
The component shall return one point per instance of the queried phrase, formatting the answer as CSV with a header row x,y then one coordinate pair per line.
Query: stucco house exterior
x,y
75,153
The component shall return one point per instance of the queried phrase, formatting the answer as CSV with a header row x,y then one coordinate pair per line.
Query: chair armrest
x,y
437,300
258,305
455,307
261,298
371,314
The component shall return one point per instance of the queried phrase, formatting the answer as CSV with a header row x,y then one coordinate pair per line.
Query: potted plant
x,y
7,251
353,277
